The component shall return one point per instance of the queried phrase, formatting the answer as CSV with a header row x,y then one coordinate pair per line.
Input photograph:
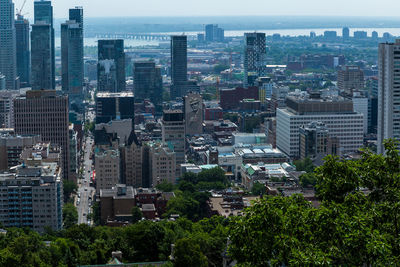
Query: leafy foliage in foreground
x,y
141,242
357,223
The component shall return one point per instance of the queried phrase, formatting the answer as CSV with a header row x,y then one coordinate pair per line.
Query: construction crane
x,y
19,11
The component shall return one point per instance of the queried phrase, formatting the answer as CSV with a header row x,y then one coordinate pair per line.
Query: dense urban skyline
x,y
119,8
199,134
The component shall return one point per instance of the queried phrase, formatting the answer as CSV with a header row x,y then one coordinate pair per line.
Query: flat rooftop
x,y
118,94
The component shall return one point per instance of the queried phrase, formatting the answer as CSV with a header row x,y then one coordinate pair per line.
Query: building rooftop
x,y
110,94
148,207
118,192
143,191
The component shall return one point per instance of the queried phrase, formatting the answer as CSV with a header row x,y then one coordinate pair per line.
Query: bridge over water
x,y
138,36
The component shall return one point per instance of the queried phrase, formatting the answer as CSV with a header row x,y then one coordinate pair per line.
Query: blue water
x,y
282,32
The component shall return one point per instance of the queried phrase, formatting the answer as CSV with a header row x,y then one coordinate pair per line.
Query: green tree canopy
x,y
69,188
70,215
258,189
137,214
304,165
188,253
165,186
308,179
357,222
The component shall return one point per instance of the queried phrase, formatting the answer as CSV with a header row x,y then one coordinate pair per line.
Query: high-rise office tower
x,y
114,106
388,93
210,32
44,15
111,66
8,59
345,33
178,65
76,14
173,133
45,113
23,53
214,33
147,82
72,58
41,57
254,57
336,113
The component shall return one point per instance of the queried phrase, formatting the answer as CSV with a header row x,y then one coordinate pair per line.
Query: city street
x,y
85,191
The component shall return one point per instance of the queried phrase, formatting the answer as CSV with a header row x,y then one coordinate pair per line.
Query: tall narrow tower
x,y
8,59
254,57
44,15
72,55
388,93
23,53
111,66
41,60
178,65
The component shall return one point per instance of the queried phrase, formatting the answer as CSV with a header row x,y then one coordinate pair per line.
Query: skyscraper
x,y
41,58
173,133
72,55
254,57
111,66
44,14
23,53
114,106
8,59
345,33
147,82
45,113
178,65
388,93
76,14
209,32
214,33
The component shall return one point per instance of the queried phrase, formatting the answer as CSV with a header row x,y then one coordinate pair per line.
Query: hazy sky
x,y
115,8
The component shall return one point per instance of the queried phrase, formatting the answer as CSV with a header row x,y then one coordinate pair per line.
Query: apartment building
x,y
32,197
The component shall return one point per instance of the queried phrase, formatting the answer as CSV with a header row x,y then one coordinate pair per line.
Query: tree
x,y
69,188
251,123
95,215
233,117
216,174
182,205
258,189
357,222
308,179
304,165
70,215
137,214
188,253
89,126
165,186
185,186
205,180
